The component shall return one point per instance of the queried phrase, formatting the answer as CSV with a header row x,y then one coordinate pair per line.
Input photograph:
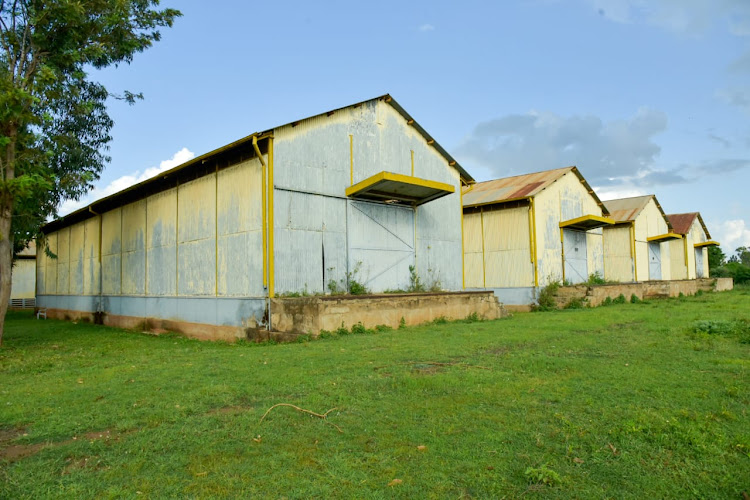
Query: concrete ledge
x,y
310,315
594,295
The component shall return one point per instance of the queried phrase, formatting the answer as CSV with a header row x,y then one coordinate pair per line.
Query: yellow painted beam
x,y
709,243
536,256
390,176
665,236
484,264
271,277
583,221
562,252
463,256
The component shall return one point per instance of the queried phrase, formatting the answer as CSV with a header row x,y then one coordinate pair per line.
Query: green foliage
x,y
616,402
620,299
342,330
415,283
607,302
634,299
576,303
472,318
739,272
356,287
542,475
440,320
596,279
739,329
359,328
547,297
402,323
716,257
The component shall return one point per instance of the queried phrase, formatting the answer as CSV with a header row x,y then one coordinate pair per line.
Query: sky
x,y
644,96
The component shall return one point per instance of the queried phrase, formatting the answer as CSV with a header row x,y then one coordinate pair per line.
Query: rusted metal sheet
x,y
511,188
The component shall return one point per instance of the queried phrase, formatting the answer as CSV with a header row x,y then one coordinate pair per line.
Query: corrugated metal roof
x,y
628,209
681,223
195,168
520,187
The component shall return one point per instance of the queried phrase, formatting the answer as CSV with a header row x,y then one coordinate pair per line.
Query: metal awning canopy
x,y
587,222
709,243
665,237
397,188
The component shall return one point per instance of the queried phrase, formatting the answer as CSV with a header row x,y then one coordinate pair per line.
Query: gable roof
x,y
520,187
681,223
242,148
628,209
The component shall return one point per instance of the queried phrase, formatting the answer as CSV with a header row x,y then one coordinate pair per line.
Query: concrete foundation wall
x,y
209,318
310,315
595,295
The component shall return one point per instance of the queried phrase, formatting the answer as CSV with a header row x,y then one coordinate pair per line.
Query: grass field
x,y
645,400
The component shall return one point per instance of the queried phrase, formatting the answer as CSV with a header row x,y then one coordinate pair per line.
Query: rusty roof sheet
x,y
519,187
628,209
681,223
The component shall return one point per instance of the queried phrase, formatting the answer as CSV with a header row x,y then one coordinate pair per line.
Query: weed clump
x,y
542,475
619,300
739,329
596,279
546,300
576,303
634,299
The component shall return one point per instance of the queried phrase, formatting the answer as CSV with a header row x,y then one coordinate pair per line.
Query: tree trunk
x,y
6,265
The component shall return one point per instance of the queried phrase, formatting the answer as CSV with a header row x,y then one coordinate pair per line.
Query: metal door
x,y
699,263
576,259
654,261
381,244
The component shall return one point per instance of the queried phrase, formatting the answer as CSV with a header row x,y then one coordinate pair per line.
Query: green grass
x,y
646,400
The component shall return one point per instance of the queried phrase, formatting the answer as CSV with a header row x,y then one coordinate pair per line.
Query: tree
x,y
54,126
743,255
716,257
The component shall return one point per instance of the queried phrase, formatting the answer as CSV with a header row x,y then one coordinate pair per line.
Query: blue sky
x,y
644,96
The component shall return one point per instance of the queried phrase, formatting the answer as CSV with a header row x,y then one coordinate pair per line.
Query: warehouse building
x,y
23,284
524,232
636,247
689,256
358,194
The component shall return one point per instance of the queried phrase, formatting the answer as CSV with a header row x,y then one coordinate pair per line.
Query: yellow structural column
x,y
270,219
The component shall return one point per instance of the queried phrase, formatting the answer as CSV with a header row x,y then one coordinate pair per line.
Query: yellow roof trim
x,y
709,243
665,236
402,188
587,222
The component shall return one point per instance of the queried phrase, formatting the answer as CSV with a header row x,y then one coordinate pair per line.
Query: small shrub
x,y
472,318
575,303
699,293
596,279
607,302
619,300
415,283
303,339
356,287
342,330
325,334
440,320
634,299
334,288
402,323
542,475
383,328
546,300
359,328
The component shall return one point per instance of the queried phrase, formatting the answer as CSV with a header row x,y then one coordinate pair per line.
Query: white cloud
x,y
606,152
614,193
426,27
731,234
692,17
126,181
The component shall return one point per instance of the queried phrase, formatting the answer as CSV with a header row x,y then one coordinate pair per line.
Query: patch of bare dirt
x,y
17,452
229,410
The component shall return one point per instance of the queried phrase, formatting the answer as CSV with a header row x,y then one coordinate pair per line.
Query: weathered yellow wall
x,y
139,243
565,199
618,261
24,279
677,265
111,252
473,255
507,255
650,222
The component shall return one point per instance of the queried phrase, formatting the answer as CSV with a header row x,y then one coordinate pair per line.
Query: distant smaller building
x,y
636,247
23,287
526,231
689,256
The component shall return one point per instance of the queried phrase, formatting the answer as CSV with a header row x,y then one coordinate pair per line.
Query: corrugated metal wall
x,y
618,261
473,252
312,171
565,199
650,222
185,241
677,265
507,255
24,279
